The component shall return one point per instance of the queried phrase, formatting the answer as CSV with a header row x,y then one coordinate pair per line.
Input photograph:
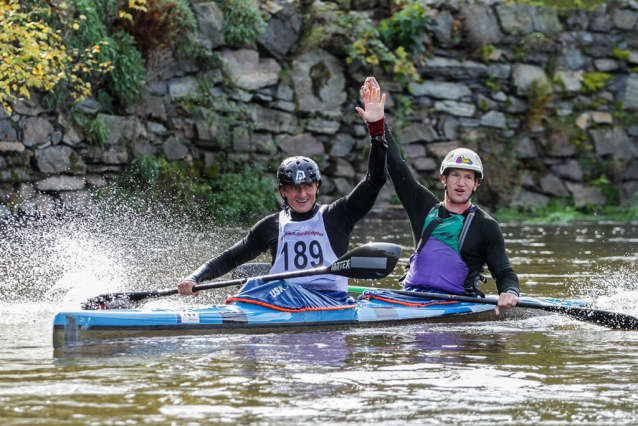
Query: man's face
x,y
461,184
300,198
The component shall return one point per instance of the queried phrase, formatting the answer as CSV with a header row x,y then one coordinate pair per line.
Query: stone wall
x,y
276,98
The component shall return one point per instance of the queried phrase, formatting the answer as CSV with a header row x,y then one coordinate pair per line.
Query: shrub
x,y
406,27
35,55
126,80
540,96
160,23
243,22
595,81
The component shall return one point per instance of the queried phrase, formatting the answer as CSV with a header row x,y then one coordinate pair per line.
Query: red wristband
x,y
377,128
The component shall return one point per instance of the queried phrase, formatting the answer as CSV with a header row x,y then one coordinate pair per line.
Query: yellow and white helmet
x,y
463,158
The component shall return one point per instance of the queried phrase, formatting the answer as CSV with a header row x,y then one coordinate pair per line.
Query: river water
x,y
541,370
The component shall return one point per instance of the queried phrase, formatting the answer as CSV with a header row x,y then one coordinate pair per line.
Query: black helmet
x,y
298,170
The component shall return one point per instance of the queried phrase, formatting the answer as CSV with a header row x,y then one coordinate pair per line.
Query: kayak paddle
x,y
604,318
371,261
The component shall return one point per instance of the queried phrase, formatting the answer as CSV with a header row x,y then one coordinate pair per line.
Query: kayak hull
x,y
81,327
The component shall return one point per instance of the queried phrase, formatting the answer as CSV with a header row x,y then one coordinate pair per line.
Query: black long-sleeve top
x,y
484,243
339,218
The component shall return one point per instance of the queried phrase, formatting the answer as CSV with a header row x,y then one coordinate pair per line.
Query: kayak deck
x,y
80,327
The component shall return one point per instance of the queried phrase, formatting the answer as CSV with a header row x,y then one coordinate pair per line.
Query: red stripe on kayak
x,y
408,303
279,308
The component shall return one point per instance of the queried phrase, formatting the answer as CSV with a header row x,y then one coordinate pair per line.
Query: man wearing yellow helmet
x,y
454,238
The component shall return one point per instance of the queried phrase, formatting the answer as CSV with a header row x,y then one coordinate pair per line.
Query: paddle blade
x,y
371,261
125,300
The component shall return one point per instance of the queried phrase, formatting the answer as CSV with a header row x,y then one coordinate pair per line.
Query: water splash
x,y
110,245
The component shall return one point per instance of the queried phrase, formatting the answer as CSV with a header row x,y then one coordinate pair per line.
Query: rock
x,y
494,119
61,183
574,59
440,149
624,19
5,213
248,71
7,131
631,172
156,128
36,131
445,68
519,18
284,106
303,143
571,79
480,25
440,90
341,168
264,143
174,149
181,87
630,94
343,185
442,28
552,185
113,154
285,92
458,109
585,195
59,159
447,126
558,144
121,129
424,164
95,181
326,127
282,32
89,106
545,20
142,147
210,21
582,122
571,170
72,136
633,57
11,147
516,105
613,142
274,121
523,75
629,190
577,20
153,107
530,201
413,150
601,117
600,22
15,174
242,139
515,18
420,132
500,71
319,82
525,149
606,65
341,145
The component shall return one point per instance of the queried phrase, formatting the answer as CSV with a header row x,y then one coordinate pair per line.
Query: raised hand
x,y
373,101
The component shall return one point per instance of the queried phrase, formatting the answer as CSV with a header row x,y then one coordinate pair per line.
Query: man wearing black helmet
x,y
305,234
454,239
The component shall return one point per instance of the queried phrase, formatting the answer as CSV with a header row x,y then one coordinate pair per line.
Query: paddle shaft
x,y
606,318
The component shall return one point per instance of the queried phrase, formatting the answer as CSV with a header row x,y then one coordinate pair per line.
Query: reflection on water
x,y
540,370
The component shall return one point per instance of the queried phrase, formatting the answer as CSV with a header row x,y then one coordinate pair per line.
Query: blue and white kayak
x,y
79,327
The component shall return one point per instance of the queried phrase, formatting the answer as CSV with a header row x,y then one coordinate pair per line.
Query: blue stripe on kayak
x,y
234,318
